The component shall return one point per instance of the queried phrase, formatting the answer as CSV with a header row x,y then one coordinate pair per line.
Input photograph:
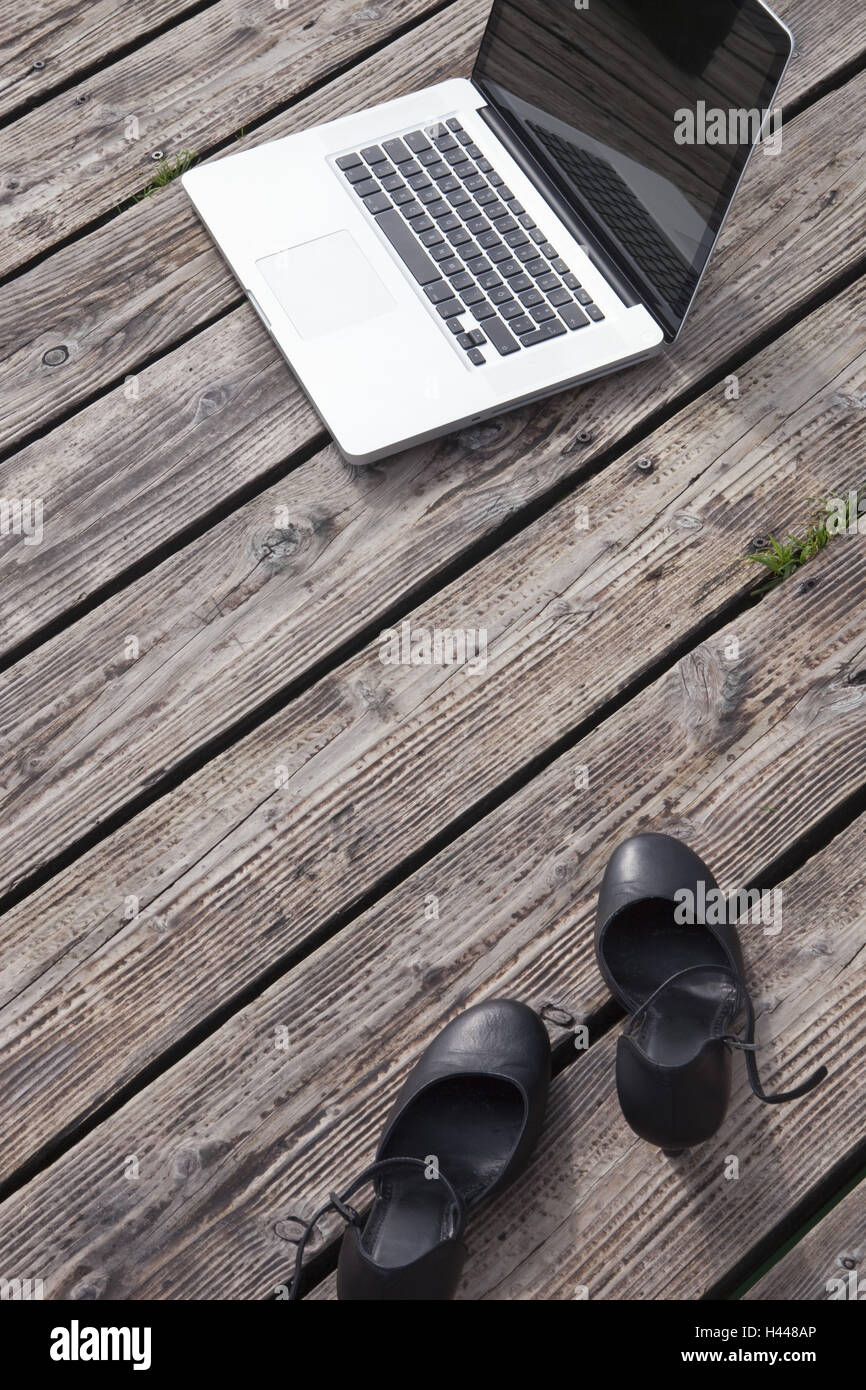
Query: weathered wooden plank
x,y
215,883
65,164
815,196
737,753
94,716
829,1261
153,274
43,45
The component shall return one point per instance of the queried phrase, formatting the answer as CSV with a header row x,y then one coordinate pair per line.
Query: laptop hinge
x,y
587,241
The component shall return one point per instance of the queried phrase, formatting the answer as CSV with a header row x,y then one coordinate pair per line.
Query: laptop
x,y
428,263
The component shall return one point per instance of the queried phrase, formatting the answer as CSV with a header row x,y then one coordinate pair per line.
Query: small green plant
x,y
167,171
782,558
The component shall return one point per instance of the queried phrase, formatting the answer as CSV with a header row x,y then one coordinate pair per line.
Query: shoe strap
x,y
339,1203
745,1044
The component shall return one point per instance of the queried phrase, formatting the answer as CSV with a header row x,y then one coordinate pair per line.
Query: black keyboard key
x,y
537,267
489,239
392,182
474,151
459,237
407,170
530,297
499,253
373,154
501,339
462,280
366,187
422,224
509,268
451,266
348,161
459,198
428,195
438,209
448,184
521,282
472,296
489,280
464,169
432,238
537,234
463,137
476,357
449,223
378,202
465,340
477,225
516,209
526,221
396,150
574,317
594,313
583,297
484,165
438,291
469,212
417,142
456,157
549,281
559,265
571,281
483,311
413,209
543,334
549,251
441,252
540,312
418,181
413,256
499,293
455,325
445,142
358,175
470,252
497,212
474,181
508,224
506,193
449,308
559,297
428,157
477,337
403,195
453,124
522,325
495,179
486,196
511,311
523,253
481,266
439,170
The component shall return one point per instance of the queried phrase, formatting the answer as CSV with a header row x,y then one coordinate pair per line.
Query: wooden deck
x,y
248,871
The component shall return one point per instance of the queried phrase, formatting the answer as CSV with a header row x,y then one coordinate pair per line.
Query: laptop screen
x,y
643,113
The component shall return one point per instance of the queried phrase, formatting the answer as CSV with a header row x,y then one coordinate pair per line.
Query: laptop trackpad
x,y
326,284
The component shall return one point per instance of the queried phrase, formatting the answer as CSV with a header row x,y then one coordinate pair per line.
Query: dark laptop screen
x,y
643,112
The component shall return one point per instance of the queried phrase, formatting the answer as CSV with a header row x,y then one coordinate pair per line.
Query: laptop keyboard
x,y
487,271
636,230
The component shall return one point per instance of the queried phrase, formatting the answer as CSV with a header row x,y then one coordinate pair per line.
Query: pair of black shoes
x,y
467,1119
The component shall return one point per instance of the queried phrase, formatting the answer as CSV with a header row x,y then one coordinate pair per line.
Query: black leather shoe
x,y
679,973
462,1127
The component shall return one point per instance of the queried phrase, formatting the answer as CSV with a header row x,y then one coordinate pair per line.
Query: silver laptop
x,y
432,261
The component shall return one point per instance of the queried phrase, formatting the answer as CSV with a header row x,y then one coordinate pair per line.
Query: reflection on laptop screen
x,y
621,103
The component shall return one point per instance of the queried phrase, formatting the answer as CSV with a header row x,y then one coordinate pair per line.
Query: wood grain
x,y
249,859
830,1261
190,89
64,40
735,753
